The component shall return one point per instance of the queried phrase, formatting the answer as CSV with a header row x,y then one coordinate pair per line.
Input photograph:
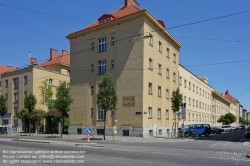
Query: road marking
x,y
11,147
5,139
216,144
214,157
170,153
125,150
241,139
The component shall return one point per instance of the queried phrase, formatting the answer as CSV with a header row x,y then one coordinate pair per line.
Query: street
x,y
206,151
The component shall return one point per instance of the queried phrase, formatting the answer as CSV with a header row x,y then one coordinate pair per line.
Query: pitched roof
x,y
128,9
57,59
228,96
4,69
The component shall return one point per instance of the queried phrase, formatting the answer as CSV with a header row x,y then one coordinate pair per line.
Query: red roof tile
x,y
131,8
55,58
5,69
228,96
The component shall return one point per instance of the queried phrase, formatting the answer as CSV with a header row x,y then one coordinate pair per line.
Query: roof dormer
x,y
105,18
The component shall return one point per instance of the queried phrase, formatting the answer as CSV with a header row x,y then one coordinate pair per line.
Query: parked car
x,y
226,128
247,133
196,129
243,127
234,128
215,130
187,131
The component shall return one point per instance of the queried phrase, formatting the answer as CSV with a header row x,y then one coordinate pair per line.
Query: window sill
x,y
167,98
159,96
150,44
159,51
150,68
159,74
167,57
167,77
149,117
150,93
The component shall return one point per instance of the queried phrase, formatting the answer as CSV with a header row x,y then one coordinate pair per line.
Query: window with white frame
x,y
193,102
151,40
25,93
185,83
167,94
167,114
150,112
202,92
197,89
112,64
174,77
50,81
159,113
159,46
91,112
189,101
180,81
6,96
150,88
193,87
167,73
193,117
197,103
100,113
102,44
6,83
167,53
200,104
159,91
15,97
189,116
15,111
189,85
174,57
92,68
92,90
159,68
50,97
25,79
112,41
102,67
92,46
150,63
15,81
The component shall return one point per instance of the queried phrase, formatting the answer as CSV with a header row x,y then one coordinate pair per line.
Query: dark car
x,y
216,130
242,127
247,133
196,129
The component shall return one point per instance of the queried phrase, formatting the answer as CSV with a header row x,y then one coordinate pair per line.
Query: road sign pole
x,y
88,137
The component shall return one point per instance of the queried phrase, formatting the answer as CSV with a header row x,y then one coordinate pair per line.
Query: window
x,y
25,79
50,81
167,94
92,90
193,102
15,80
68,72
189,117
150,62
159,91
6,96
92,68
185,83
189,101
167,73
112,64
50,97
102,67
167,53
189,85
184,99
60,82
102,45
174,58
200,91
25,93
197,89
151,40
159,46
203,93
100,113
197,103
91,112
6,83
68,85
159,68
150,112
159,113
174,77
180,81
112,41
167,114
0,85
160,132
193,87
92,46
15,97
15,111
150,88
200,104
193,117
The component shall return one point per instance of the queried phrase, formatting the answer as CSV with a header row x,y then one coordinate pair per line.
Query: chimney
x,y
162,23
204,79
226,92
9,65
131,2
64,52
53,53
33,61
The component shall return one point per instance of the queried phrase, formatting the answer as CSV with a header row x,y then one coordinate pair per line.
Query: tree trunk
x,y
62,126
175,127
104,127
29,123
2,126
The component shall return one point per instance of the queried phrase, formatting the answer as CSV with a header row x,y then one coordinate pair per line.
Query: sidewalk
x,y
246,144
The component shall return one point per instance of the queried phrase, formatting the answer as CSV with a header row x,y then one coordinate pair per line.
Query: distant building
x,y
16,84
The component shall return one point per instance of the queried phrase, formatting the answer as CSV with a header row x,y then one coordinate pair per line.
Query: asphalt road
x,y
224,149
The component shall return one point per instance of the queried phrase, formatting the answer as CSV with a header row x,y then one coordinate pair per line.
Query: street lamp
x,y
139,37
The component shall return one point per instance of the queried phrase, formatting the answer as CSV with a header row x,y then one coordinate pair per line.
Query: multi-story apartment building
x,y
197,95
142,57
20,82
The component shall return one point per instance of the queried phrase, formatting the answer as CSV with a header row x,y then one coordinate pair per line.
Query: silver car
x,y
226,128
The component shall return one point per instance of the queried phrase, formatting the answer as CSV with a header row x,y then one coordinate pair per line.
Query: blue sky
x,y
205,43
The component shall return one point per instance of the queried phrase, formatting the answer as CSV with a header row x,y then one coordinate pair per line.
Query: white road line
x,y
214,157
125,150
11,147
241,139
170,153
216,144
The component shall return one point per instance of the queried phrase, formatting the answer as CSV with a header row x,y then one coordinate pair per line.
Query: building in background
x,y
16,84
143,59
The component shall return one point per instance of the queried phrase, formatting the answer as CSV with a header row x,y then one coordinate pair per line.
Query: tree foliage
x,y
63,101
176,100
45,92
107,96
29,104
227,119
3,108
244,121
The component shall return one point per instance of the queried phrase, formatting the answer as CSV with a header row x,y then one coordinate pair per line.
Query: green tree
x,y
176,101
53,117
63,101
29,104
107,97
3,108
227,119
45,92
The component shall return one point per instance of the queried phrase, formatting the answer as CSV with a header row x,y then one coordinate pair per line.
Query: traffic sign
x,y
115,131
88,131
116,118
